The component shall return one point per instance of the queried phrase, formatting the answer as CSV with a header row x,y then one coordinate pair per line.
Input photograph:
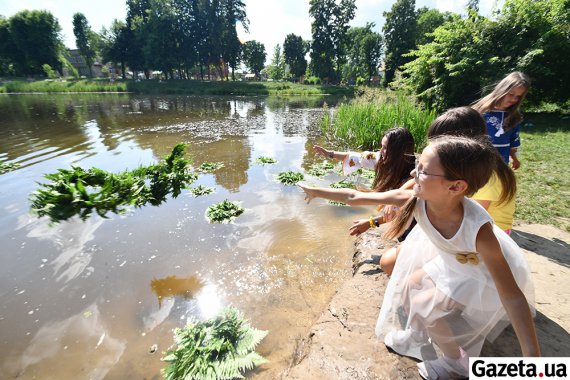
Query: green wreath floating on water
x,y
82,192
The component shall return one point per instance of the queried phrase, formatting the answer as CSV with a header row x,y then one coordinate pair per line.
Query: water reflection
x,y
171,286
131,279
81,344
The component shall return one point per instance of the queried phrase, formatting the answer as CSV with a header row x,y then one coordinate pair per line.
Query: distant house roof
x,y
250,75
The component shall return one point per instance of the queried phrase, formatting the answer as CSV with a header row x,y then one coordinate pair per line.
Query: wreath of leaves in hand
x,y
82,192
218,348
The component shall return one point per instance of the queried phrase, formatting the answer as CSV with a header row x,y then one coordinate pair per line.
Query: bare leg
x,y
388,260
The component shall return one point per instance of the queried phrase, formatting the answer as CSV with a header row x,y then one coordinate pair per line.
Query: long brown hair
x,y
500,89
470,159
394,169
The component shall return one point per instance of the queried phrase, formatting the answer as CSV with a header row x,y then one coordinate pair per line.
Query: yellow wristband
x,y
372,224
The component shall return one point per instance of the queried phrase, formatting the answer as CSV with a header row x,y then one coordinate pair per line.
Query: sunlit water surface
x,y
88,299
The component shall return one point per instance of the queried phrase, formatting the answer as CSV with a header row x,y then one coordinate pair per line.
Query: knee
x,y
388,260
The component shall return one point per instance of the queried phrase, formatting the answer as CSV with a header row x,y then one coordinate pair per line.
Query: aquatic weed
x,y
263,160
223,212
290,177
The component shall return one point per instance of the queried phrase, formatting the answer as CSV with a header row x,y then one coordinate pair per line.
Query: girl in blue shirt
x,y
501,111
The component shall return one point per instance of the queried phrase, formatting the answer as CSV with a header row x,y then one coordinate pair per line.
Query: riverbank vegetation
x,y
175,87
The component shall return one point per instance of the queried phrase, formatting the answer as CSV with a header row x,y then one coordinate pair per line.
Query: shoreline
x,y
342,344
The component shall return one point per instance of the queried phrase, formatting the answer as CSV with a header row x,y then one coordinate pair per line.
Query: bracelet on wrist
x,y
372,223
331,154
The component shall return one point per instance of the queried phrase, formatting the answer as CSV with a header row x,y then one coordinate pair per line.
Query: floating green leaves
x,y
320,169
265,161
8,167
290,177
209,167
223,212
82,192
201,190
215,349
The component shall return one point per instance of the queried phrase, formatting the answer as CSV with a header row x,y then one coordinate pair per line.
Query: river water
x,y
88,299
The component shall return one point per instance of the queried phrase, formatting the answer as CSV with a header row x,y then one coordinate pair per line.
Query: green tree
x,y
469,54
428,21
233,11
161,47
364,52
294,51
329,32
276,70
84,39
137,17
35,41
114,45
400,30
254,56
7,48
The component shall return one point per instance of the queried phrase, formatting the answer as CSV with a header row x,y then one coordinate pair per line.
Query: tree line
x,y
444,58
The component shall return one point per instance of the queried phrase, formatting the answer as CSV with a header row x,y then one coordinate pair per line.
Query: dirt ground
x,y
342,343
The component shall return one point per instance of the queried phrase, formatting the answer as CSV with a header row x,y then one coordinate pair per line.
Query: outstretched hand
x,y
319,150
359,226
309,195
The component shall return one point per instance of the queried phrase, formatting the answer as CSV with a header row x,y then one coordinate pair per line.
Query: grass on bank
x,y
543,183
185,87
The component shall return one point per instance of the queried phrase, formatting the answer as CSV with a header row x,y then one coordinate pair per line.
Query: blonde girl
x,y
501,111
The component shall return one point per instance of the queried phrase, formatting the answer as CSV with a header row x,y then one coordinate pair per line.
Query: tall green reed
x,y
362,123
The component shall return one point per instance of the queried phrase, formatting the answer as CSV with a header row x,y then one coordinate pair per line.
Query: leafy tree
x,y
232,12
84,39
254,56
294,50
114,44
7,47
35,41
161,47
329,32
364,52
468,54
428,20
399,36
137,17
276,69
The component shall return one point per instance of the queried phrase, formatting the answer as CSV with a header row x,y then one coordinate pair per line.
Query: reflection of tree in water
x,y
234,153
173,286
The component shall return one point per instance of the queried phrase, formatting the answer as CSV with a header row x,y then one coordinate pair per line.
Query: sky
x,y
270,20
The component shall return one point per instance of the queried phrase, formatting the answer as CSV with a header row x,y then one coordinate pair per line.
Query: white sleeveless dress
x,y
431,281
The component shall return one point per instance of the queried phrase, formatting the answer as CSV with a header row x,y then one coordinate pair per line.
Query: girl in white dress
x,y
458,279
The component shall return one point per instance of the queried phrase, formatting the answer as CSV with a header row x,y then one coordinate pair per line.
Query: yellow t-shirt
x,y
502,213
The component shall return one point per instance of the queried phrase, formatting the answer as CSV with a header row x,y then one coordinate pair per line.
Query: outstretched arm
x,y
319,150
397,197
512,297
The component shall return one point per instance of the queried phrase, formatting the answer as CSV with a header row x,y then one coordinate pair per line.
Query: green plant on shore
x,y
290,177
362,123
82,192
201,190
223,212
8,167
215,349
263,160
209,167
